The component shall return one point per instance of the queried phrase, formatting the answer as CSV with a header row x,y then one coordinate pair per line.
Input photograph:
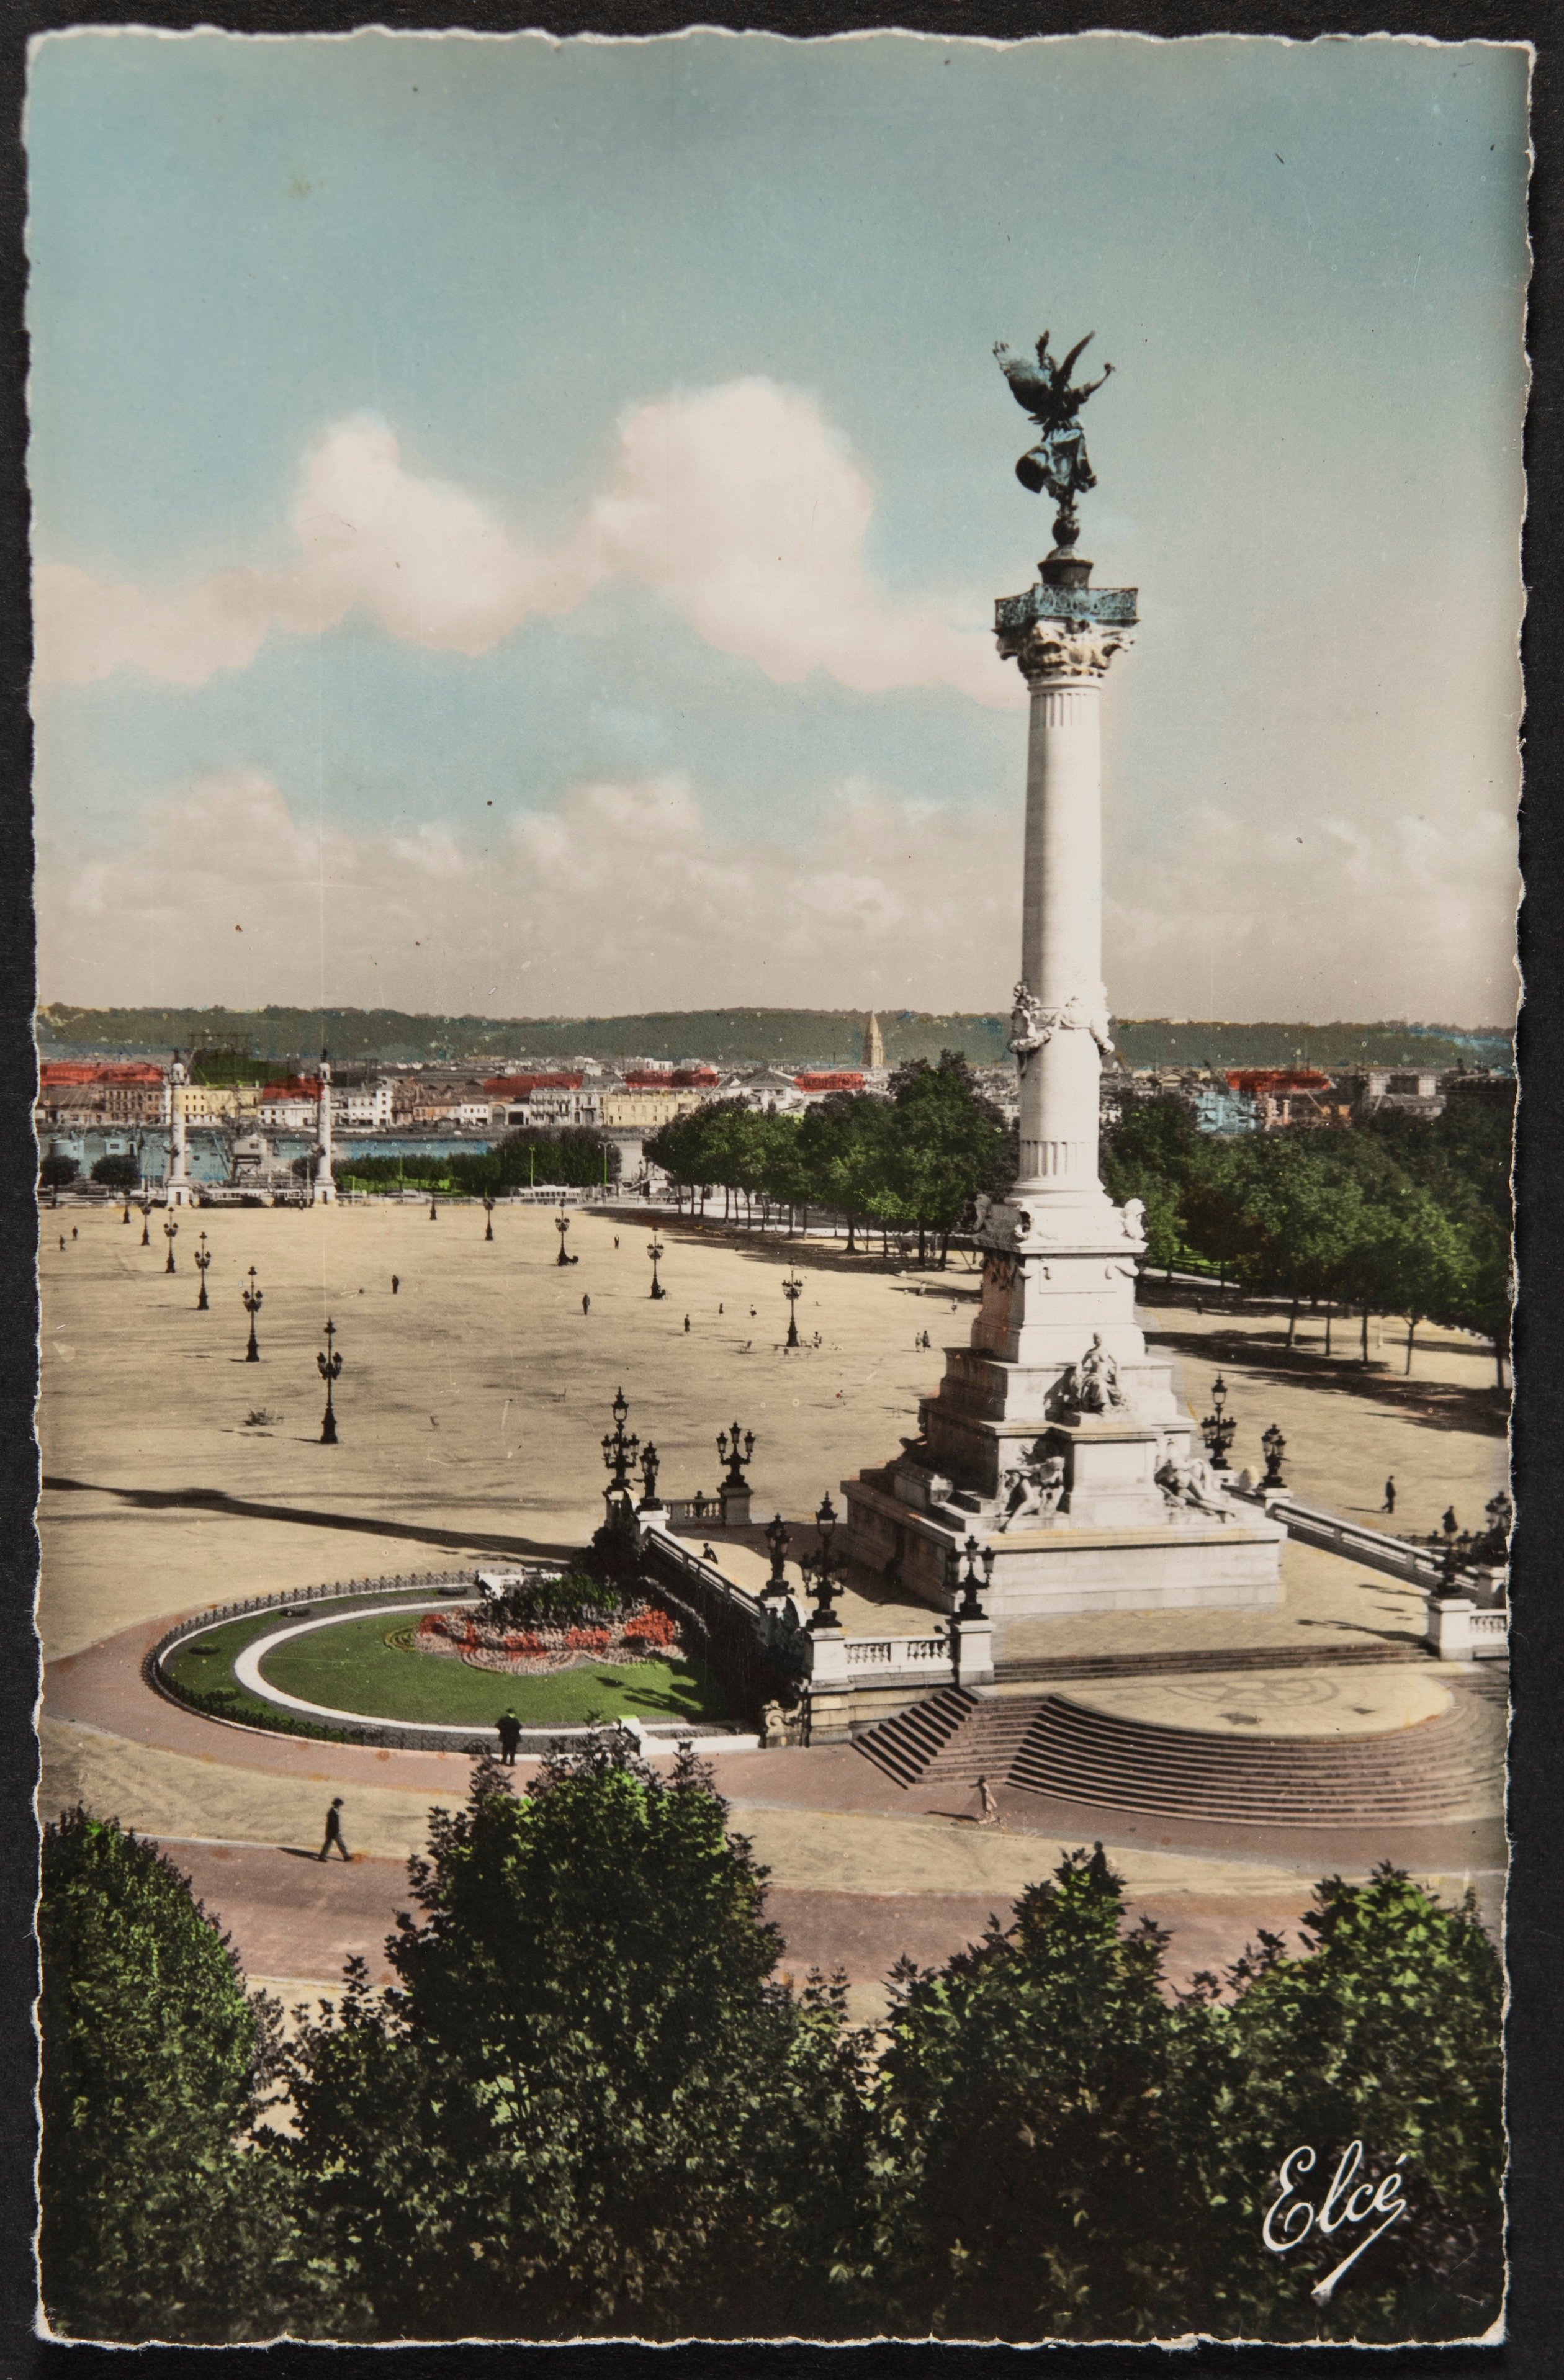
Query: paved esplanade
x,y
1055,1440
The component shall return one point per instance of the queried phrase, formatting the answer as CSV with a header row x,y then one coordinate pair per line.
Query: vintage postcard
x,y
776,788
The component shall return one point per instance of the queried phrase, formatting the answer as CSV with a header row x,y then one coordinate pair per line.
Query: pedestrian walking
x,y
62,1240
616,1239
333,1830
586,1302
687,1322
1389,1503
395,1283
990,1808
718,1306
73,1231
507,1727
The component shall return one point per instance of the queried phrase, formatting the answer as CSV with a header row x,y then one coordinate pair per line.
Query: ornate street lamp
x,y
145,1204
977,1559
251,1300
203,1257
170,1232
793,1290
779,1537
1218,1428
650,1465
488,1218
331,1371
655,1250
562,1225
1275,1447
822,1571
735,1456
618,1536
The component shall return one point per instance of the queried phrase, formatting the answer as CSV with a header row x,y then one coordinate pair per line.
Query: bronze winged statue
x,y
1058,462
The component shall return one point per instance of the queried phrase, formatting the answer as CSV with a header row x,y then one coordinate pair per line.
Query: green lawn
x,y
352,1668
204,1663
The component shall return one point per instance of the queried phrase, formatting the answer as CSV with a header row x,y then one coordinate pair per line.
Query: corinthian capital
x,y
1046,649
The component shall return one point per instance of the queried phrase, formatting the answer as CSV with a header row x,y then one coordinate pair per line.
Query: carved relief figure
x,y
1033,1026
1092,1385
1193,1484
1032,1488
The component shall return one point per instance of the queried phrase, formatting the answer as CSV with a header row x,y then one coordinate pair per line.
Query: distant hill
x,y
782,1037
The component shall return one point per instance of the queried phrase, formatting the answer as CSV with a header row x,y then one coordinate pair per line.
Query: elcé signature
x,y
1341,2204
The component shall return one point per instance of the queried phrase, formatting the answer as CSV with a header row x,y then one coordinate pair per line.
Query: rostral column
x,y
1054,1439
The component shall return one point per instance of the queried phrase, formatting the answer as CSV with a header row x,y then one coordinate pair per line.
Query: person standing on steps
x,y
1389,1503
508,1728
989,1807
333,1830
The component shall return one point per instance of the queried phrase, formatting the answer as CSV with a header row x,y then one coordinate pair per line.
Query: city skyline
x,y
598,614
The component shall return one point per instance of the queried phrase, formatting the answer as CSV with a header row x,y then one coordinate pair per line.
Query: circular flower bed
x,y
538,1640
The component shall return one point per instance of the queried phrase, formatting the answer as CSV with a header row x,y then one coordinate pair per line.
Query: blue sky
x,y
415,418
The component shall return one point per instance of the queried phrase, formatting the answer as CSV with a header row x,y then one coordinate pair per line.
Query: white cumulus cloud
x,y
620,896
739,506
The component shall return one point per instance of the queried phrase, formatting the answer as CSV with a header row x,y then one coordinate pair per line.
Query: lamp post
x,y
145,1204
655,1250
562,1225
331,1371
203,1257
616,1540
1275,1447
779,1537
822,1571
977,1559
1218,1428
793,1290
170,1232
736,1456
650,1465
488,1218
251,1300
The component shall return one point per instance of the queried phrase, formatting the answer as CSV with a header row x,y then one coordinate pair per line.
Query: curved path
x,y
863,1868
103,1688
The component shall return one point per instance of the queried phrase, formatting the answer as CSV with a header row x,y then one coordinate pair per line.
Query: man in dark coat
x,y
333,1830
508,1729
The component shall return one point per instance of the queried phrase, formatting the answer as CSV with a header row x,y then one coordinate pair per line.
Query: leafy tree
x,y
120,1172
1028,2184
585,2108
945,1143
156,2225
1425,1262
55,1171
1389,2034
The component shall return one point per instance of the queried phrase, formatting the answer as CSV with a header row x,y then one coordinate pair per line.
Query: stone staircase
x,y
1024,1669
1437,1768
905,1746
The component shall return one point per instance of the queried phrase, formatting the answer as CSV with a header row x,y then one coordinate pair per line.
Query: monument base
x,y
1048,1571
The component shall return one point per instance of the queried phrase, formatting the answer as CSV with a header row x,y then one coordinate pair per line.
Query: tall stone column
x,y
325,1190
1059,1026
178,1192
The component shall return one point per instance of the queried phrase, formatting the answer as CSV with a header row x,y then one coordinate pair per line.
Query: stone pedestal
x,y
1055,1438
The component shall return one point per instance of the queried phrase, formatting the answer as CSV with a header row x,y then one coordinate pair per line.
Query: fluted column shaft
x,y
1062,937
